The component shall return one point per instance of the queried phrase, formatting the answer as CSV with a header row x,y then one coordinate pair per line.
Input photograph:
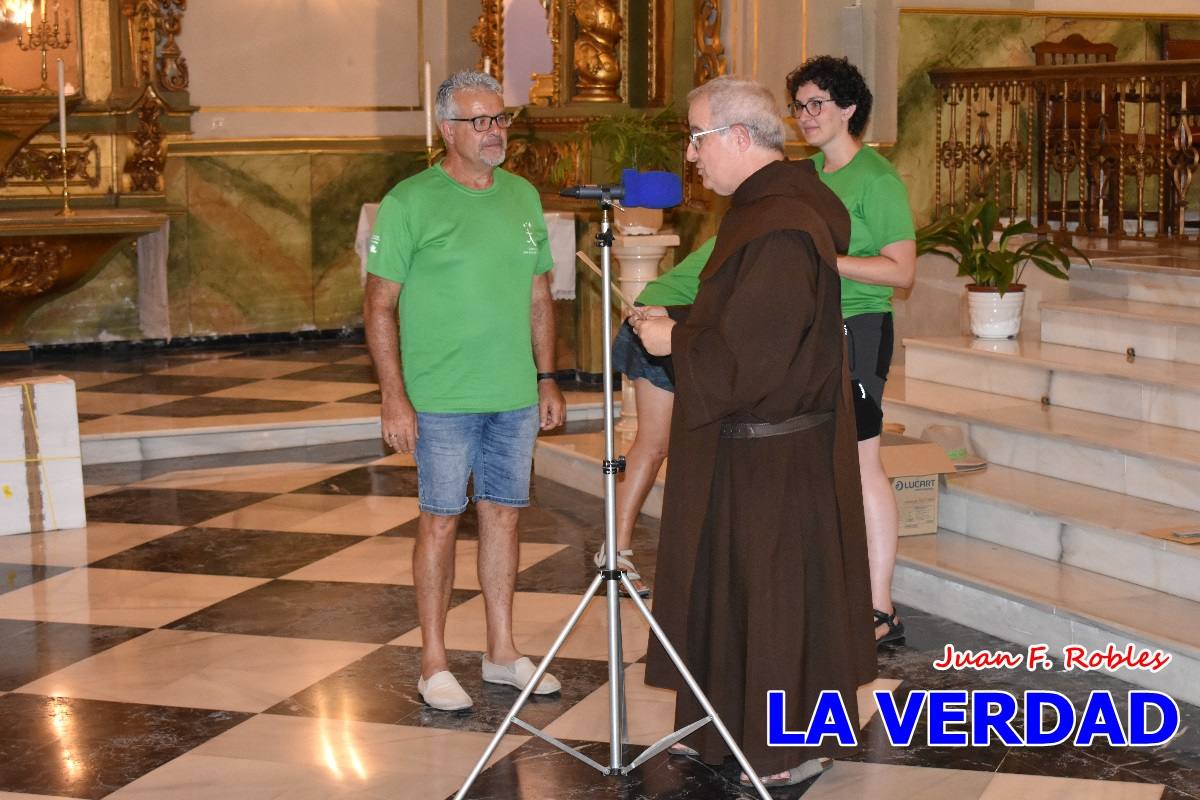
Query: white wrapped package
x,y
41,475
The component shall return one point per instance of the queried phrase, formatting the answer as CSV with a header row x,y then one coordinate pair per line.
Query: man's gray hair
x,y
734,101
464,79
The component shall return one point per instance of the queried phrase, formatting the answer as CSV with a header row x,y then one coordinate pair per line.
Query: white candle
x,y
428,105
62,108
487,64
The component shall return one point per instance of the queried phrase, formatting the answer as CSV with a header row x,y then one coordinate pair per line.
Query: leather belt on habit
x,y
758,430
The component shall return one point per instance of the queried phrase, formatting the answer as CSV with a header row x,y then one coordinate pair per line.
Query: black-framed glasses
x,y
813,107
484,123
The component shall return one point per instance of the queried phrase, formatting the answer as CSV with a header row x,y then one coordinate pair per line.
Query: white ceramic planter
x,y
995,316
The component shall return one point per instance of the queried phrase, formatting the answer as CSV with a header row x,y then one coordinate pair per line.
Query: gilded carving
x,y
544,91
488,33
43,163
710,53
28,269
546,163
172,66
597,64
154,24
144,167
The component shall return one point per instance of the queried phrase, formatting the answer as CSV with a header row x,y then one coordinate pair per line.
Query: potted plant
x,y
994,264
639,141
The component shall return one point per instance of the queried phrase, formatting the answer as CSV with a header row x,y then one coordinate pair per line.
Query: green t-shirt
x,y
873,193
678,286
467,259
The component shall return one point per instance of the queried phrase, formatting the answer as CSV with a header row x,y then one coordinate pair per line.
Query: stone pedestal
x,y
637,259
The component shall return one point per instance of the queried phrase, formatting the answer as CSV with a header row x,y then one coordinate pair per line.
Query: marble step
x,y
1154,277
1140,459
1076,525
1028,600
577,461
1151,330
133,438
1145,389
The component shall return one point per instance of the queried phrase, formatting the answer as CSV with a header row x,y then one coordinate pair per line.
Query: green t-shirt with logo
x,y
678,286
873,193
467,259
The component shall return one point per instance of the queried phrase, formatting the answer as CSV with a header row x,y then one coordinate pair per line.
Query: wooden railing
x,y
1101,149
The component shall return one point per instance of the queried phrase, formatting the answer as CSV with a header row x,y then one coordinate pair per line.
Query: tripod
x,y
612,577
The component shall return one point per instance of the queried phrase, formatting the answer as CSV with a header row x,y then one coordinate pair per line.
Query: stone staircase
x,y
1092,434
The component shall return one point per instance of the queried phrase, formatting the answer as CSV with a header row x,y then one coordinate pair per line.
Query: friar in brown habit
x,y
762,578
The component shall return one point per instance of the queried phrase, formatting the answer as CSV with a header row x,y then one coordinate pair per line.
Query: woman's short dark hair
x,y
844,83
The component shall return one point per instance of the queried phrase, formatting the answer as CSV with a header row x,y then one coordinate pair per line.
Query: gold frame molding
x,y
710,53
488,33
1020,12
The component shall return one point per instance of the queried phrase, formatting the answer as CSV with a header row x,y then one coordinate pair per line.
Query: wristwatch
x,y
547,376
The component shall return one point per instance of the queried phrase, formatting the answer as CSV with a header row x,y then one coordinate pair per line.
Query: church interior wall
x,y
264,205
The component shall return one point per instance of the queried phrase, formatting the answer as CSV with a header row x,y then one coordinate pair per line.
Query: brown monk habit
x,y
762,578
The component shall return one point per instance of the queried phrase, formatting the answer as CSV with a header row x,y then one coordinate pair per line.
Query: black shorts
x,y
869,345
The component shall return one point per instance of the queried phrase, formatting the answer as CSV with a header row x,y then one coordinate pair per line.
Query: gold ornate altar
x,y
124,94
259,231
43,256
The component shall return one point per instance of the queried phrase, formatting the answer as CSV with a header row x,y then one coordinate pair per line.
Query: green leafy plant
x,y
966,238
633,140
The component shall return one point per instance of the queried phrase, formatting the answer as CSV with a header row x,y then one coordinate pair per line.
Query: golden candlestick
x,y
66,210
44,36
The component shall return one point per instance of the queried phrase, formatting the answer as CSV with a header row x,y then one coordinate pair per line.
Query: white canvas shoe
x,y
443,692
518,674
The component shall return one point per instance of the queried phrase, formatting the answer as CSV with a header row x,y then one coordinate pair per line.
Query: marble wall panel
x,y
179,272
250,243
103,309
341,183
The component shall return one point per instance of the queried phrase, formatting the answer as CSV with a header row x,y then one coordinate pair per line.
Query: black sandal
x,y
895,630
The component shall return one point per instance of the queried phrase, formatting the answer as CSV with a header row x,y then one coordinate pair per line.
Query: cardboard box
x,y
41,475
1183,533
913,467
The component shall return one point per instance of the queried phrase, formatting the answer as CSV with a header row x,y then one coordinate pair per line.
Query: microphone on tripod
x,y
651,189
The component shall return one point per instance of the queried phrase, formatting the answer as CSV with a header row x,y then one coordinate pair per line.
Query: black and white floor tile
x,y
244,626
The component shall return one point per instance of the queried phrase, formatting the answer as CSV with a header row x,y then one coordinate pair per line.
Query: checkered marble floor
x,y
188,389
138,390
244,626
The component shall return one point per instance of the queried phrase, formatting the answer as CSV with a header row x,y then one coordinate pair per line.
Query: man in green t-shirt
x,y
461,250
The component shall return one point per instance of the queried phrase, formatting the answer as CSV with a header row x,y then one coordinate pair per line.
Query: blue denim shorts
x,y
497,449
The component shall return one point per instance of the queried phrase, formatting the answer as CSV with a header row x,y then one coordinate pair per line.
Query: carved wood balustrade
x,y
1089,148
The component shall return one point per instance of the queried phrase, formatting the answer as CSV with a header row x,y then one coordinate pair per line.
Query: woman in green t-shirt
x,y
654,391
831,104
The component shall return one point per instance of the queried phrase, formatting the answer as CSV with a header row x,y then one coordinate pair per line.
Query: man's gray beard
x,y
492,161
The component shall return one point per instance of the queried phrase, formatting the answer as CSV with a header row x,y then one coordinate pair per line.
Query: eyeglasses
x,y
813,107
484,124
694,138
